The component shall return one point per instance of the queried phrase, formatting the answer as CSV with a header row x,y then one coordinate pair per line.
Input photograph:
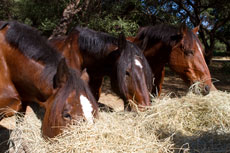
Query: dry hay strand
x,y
198,86
199,123
190,123
113,132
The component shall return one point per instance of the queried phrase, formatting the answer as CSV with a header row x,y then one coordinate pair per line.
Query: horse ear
x,y
121,44
132,39
196,29
85,76
121,41
178,37
111,48
62,74
183,28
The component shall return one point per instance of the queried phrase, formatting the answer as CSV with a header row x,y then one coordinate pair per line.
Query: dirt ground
x,y
172,85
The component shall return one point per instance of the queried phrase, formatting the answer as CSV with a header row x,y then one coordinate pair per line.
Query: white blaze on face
x,y
199,48
138,63
86,108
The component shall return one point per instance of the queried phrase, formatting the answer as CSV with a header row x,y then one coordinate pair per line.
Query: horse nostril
x,y
67,116
206,88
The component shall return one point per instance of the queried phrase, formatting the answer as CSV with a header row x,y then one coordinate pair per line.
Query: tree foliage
x,y
115,16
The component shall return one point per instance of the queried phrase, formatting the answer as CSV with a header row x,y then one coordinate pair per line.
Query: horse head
x,y
187,59
72,101
134,74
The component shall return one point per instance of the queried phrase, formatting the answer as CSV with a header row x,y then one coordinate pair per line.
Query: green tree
x,y
57,17
211,15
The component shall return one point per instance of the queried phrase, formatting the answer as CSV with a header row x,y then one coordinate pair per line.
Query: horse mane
x,y
150,35
59,38
31,44
128,56
93,42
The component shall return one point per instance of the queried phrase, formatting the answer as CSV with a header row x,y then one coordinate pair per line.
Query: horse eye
x,y
67,116
127,73
189,53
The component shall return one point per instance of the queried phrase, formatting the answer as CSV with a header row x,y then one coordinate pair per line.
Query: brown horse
x,y
103,54
33,71
180,48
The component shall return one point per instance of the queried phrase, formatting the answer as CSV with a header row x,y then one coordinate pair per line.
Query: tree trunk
x,y
209,53
207,48
226,42
228,49
68,14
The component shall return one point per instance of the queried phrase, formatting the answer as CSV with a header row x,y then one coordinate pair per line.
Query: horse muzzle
x,y
206,89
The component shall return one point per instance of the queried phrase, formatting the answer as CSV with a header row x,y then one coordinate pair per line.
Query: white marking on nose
x,y
138,63
86,108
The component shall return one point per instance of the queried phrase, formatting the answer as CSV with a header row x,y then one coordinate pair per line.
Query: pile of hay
x,y
188,124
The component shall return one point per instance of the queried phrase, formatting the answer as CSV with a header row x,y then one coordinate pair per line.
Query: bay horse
x,y
33,71
180,48
103,54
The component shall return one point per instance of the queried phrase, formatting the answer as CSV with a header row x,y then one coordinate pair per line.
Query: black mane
x,y
31,44
3,24
93,42
150,35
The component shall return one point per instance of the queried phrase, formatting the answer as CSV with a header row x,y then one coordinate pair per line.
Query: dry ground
x,y
172,85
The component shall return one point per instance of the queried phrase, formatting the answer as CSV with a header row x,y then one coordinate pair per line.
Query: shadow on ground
x,y
5,129
203,142
4,137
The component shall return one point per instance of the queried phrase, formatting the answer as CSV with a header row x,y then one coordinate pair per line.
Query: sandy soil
x,y
172,85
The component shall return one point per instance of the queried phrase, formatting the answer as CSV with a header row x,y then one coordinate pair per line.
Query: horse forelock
x,y
188,40
94,43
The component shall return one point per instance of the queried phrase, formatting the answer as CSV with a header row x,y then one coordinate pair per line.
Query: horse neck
x,y
32,79
58,43
68,47
77,59
157,55
98,65
24,73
